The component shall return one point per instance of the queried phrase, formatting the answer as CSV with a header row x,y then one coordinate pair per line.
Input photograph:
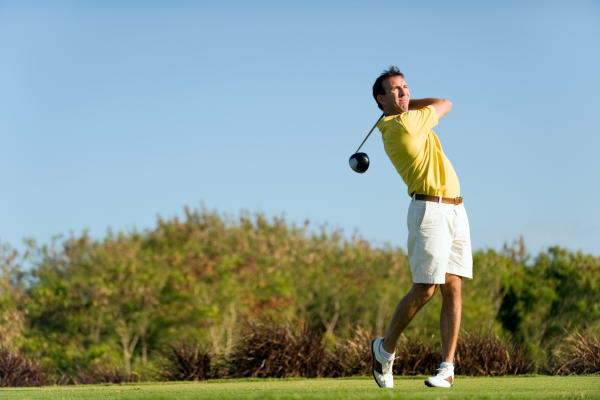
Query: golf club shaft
x,y
372,129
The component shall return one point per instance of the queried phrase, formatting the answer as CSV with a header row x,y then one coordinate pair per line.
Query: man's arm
x,y
442,107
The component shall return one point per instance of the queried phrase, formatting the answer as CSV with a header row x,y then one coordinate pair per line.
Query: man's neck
x,y
392,113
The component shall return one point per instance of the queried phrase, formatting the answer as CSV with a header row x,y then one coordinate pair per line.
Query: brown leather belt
x,y
446,200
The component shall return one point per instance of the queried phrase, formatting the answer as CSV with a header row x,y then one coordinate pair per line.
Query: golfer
x,y
439,242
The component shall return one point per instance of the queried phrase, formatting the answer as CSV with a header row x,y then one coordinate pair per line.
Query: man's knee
x,y
452,287
423,292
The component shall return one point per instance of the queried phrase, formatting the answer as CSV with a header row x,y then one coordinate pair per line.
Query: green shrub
x,y
196,277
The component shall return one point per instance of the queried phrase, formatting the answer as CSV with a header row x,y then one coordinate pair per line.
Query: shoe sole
x,y
430,385
373,365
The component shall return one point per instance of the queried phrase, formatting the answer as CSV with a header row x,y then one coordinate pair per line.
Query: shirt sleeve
x,y
419,122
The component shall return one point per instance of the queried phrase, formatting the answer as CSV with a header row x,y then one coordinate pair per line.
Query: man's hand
x,y
442,107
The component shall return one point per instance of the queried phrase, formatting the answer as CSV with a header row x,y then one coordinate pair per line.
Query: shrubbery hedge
x,y
106,307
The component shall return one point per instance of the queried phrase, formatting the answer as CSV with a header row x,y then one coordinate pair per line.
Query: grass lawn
x,y
521,387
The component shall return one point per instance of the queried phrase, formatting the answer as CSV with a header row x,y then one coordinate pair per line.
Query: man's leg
x,y
450,317
419,295
383,353
449,326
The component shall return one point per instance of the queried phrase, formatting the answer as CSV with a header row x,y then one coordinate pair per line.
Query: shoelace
x,y
445,372
386,366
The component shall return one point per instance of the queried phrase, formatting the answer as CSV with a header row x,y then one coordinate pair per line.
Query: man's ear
x,y
381,99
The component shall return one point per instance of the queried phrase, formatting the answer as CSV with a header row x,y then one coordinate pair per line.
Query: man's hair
x,y
378,85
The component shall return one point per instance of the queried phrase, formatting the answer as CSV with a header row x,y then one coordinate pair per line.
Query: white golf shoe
x,y
382,367
444,378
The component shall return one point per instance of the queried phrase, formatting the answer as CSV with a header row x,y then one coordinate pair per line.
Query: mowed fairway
x,y
522,387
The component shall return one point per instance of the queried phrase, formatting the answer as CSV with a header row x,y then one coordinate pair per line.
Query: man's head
x,y
391,92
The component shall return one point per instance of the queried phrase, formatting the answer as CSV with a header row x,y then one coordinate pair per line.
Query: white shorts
x,y
439,241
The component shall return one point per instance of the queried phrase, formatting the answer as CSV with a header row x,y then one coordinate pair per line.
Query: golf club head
x,y
359,162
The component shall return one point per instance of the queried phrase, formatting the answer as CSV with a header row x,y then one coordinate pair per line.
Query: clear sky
x,y
114,112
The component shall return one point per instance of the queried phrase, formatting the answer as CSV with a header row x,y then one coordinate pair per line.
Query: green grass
x,y
521,387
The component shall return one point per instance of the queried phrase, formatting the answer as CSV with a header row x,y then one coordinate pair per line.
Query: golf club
x,y
359,162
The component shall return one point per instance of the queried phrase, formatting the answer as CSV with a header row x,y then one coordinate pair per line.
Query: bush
x,y
270,350
18,371
478,354
350,357
195,276
485,354
417,357
353,357
578,354
266,349
98,373
186,362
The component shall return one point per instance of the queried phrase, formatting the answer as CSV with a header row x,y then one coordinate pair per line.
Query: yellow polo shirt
x,y
417,153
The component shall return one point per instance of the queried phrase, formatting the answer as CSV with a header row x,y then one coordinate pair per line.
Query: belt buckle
x,y
455,200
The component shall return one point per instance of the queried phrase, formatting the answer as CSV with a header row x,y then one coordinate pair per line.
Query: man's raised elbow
x,y
447,106
442,107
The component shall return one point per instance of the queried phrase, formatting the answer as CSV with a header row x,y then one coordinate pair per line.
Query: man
x,y
439,243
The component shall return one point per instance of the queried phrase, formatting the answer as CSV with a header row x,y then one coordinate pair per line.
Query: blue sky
x,y
114,112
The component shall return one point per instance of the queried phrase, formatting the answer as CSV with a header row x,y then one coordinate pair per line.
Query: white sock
x,y
385,353
446,364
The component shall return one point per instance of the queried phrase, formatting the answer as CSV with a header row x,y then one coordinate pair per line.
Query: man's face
x,y
396,98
